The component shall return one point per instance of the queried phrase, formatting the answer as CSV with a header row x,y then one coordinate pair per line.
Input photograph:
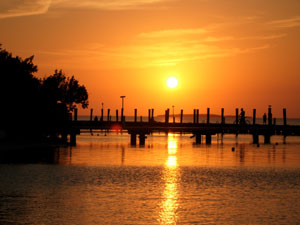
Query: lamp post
x,y
173,114
122,110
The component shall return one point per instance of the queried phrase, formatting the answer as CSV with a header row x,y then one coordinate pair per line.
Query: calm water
x,y
103,180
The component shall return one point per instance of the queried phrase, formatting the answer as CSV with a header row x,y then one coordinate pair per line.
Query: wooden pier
x,y
198,130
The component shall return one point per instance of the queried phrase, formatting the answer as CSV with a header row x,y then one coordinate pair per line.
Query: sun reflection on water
x,y
169,204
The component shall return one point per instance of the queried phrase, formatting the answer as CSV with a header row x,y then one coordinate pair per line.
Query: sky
x,y
224,53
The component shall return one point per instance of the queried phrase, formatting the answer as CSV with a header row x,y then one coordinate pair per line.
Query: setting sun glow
x,y
172,82
160,53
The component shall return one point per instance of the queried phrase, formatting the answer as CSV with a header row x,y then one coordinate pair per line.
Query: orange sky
x,y
225,53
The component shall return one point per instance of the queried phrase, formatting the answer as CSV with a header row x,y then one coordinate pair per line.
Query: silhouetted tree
x,y
34,108
19,92
58,88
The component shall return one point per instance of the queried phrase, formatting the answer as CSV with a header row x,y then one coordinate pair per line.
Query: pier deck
x,y
197,129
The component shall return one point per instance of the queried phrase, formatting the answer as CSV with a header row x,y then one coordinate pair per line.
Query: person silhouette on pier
x,y
265,119
242,115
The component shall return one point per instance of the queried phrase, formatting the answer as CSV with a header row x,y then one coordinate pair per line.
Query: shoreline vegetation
x,y
35,111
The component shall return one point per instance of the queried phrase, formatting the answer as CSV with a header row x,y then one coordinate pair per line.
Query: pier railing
x,y
144,128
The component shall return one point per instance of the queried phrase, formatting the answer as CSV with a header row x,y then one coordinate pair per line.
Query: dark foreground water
x,y
169,181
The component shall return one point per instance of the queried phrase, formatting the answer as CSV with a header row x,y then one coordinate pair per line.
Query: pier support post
x,y
167,115
133,139
198,138
64,137
73,139
135,115
208,116
197,117
149,115
152,115
254,118
117,115
222,116
108,112
142,138
181,116
270,115
267,139
91,115
102,116
208,139
284,117
255,139
236,116
194,116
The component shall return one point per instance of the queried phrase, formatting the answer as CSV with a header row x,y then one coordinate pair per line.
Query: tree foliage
x,y
19,89
60,88
31,103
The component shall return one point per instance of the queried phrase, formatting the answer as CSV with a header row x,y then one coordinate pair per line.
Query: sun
x,y
172,82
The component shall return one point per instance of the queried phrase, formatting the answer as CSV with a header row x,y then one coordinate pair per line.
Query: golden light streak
x,y
169,203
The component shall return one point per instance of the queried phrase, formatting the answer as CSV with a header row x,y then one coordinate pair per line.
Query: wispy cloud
x,y
172,33
144,55
231,38
104,4
172,53
14,8
166,48
150,54
286,23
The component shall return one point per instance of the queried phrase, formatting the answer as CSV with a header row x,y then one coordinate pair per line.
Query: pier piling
x,y
198,138
73,139
135,115
255,138
269,115
181,115
208,115
284,117
91,115
108,112
152,115
254,118
208,139
142,138
167,116
267,138
222,116
133,139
